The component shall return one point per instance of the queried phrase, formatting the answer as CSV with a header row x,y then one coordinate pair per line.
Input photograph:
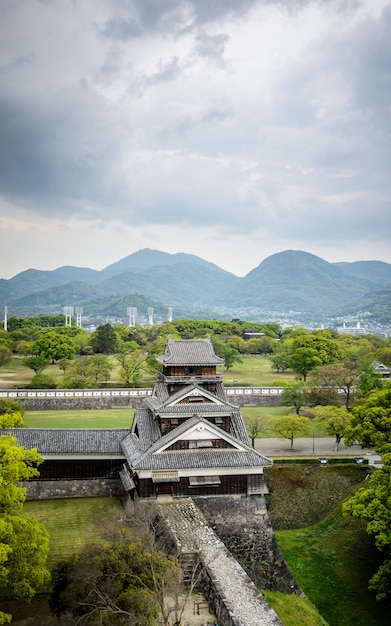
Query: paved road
x,y
308,447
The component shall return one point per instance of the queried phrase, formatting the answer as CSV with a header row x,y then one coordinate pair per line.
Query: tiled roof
x,y
191,458
131,447
148,429
203,459
189,352
239,427
160,391
195,408
70,440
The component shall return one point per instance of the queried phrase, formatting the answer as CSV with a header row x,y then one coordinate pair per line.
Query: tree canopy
x,y
333,420
372,504
125,578
371,425
303,360
24,542
53,345
291,426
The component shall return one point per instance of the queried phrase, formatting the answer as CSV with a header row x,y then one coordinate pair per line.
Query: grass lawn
x,y
123,418
80,418
69,522
254,372
293,610
332,562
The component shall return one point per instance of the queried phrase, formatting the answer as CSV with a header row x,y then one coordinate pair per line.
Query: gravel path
x,y
242,598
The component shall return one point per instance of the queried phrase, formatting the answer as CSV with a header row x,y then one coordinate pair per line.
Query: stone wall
x,y
131,402
243,525
234,597
54,404
254,400
50,489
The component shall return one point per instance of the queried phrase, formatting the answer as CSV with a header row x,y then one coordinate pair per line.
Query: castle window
x,y
201,443
198,481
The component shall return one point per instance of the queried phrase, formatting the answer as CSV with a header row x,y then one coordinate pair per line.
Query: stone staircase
x,y
235,599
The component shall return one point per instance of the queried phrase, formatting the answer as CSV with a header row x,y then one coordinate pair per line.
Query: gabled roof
x,y
157,458
189,352
70,441
189,426
182,394
147,427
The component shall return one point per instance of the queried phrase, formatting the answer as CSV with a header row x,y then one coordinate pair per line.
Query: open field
x,y
80,418
15,374
252,372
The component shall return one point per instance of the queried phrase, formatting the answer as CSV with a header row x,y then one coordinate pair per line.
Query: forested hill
x,y
284,282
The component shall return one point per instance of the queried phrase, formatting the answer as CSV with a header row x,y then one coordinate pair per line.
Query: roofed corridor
x,y
245,604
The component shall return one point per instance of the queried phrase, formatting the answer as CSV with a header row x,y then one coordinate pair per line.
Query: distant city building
x,y
382,369
252,334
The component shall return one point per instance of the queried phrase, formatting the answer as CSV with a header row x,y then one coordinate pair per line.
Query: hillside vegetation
x,y
289,281
331,556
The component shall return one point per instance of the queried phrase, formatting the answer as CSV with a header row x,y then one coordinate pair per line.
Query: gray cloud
x,y
211,46
238,117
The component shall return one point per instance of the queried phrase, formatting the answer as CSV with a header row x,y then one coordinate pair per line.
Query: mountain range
x,y
289,282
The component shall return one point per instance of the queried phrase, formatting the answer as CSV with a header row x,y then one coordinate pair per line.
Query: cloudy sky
x,y
229,129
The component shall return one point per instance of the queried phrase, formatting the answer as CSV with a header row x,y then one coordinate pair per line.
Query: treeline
x,y
44,340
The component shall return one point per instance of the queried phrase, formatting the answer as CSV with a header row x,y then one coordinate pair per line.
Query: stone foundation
x,y
242,523
50,489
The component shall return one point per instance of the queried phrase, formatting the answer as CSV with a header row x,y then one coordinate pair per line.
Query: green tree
x,y
54,346
101,368
104,339
124,349
24,543
328,348
122,581
333,420
81,341
372,504
368,380
384,355
11,406
42,381
132,368
294,396
292,426
370,422
5,355
87,372
280,361
11,420
36,363
230,356
303,360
